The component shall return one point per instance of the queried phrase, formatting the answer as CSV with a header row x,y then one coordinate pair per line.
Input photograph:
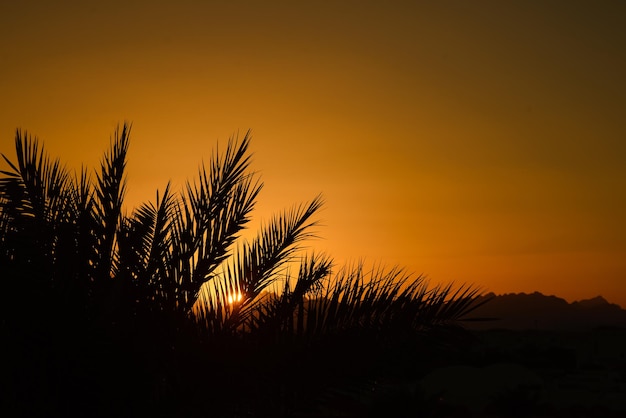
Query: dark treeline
x,y
106,313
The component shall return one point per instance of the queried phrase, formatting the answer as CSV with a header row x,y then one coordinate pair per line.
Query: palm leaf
x,y
258,264
34,201
211,213
109,194
144,243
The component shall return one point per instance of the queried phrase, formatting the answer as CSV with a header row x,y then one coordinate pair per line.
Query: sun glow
x,y
234,298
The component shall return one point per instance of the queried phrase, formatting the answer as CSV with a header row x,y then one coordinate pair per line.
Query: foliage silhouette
x,y
107,313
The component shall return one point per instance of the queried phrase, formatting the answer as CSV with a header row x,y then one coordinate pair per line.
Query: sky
x,y
475,142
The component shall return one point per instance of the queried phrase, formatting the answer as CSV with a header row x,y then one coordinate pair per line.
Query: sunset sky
x,y
480,142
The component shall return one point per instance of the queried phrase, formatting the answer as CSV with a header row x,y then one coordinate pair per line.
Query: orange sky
x,y
479,142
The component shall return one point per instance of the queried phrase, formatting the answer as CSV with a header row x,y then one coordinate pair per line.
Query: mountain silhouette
x,y
520,311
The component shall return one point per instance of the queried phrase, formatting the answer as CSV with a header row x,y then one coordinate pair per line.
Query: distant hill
x,y
537,311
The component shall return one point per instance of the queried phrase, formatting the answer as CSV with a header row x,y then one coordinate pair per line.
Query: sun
x,y
234,297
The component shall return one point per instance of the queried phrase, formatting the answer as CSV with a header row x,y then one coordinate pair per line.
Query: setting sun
x,y
495,152
234,298
270,208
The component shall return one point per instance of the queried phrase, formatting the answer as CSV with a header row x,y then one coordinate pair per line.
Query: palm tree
x,y
146,300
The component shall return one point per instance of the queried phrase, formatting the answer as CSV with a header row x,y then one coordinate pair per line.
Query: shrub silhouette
x,y
114,314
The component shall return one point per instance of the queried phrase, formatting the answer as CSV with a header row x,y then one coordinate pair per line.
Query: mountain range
x,y
521,311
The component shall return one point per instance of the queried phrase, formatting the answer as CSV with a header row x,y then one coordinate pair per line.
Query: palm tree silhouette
x,y
110,313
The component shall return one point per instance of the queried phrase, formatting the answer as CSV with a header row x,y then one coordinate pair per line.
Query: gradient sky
x,y
480,142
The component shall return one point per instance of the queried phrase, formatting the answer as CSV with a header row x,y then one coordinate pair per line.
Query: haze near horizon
x,y
475,143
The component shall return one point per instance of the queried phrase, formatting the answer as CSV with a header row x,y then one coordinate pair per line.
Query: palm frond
x,y
212,212
384,301
285,313
36,186
143,247
109,194
34,201
258,264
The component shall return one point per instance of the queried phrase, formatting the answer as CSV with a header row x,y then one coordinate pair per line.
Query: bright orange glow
x,y
472,144
234,298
